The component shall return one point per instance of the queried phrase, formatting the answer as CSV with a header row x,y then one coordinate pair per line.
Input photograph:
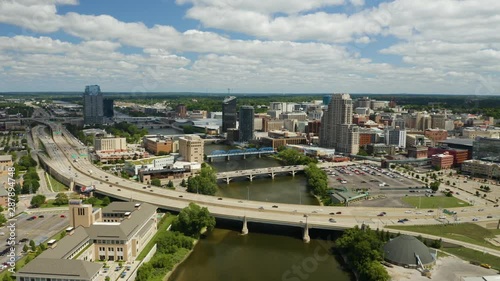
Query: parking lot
x,y
39,229
386,188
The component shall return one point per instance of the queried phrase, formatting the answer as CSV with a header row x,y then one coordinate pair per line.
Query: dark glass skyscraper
x,y
246,123
229,115
108,105
93,106
486,149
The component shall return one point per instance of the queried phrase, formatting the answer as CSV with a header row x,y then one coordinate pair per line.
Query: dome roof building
x,y
405,250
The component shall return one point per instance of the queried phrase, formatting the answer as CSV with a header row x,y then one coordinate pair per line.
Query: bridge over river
x,y
252,173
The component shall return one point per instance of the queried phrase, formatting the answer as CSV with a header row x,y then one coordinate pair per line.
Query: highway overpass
x,y
81,172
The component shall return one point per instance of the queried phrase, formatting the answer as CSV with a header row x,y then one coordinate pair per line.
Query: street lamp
x,y
306,216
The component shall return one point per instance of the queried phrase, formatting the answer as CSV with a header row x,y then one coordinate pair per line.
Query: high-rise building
x,y
181,110
246,123
110,144
191,148
337,130
228,113
108,108
93,106
395,137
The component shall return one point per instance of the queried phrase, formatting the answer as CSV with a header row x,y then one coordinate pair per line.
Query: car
x,y
408,212
144,187
489,217
430,211
41,216
62,216
119,189
332,220
480,210
495,205
275,206
123,274
339,213
24,240
110,185
401,221
314,212
117,268
240,201
181,196
474,219
128,267
261,208
220,198
380,215
332,213
151,190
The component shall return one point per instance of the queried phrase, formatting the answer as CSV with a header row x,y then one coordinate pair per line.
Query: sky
x,y
251,46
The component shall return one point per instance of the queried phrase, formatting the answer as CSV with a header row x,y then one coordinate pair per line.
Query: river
x,y
281,189
227,255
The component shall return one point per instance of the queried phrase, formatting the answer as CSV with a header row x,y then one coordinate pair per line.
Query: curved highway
x,y
62,148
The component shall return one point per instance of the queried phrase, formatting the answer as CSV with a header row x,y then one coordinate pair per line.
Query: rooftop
x,y
6,157
465,142
46,268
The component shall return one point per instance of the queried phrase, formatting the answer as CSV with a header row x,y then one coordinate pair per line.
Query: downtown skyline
x,y
320,46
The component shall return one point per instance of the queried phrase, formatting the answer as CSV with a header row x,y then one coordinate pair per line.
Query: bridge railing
x,y
242,151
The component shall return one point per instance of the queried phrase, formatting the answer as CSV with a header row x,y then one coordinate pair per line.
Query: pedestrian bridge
x,y
240,152
252,173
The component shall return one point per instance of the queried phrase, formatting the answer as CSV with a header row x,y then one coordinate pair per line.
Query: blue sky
x,y
314,46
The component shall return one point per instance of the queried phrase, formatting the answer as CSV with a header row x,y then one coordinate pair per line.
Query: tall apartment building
x,y
246,123
272,124
110,144
191,148
181,110
93,106
337,130
395,137
229,113
108,108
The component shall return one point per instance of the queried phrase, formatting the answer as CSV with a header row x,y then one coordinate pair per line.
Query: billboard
x,y
87,188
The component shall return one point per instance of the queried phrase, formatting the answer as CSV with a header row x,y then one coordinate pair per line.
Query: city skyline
x,y
205,46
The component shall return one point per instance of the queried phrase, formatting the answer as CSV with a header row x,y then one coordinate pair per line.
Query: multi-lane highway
x,y
62,148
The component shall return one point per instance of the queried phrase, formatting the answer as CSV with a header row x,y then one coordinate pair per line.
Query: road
x,y
285,214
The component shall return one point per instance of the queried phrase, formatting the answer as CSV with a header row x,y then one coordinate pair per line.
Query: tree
x,y
105,201
37,201
2,219
183,183
91,201
32,245
435,186
192,219
204,183
61,199
170,184
25,248
317,180
63,233
156,182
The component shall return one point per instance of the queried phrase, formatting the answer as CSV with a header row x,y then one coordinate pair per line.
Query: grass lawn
x,y
56,185
466,232
473,255
434,202
164,224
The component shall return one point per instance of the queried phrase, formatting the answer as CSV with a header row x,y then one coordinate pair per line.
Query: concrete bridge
x,y
240,152
252,173
84,173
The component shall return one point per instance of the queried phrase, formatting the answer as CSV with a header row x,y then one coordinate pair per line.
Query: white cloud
x,y
296,46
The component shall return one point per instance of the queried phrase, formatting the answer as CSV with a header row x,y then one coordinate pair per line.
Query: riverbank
x,y
169,274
